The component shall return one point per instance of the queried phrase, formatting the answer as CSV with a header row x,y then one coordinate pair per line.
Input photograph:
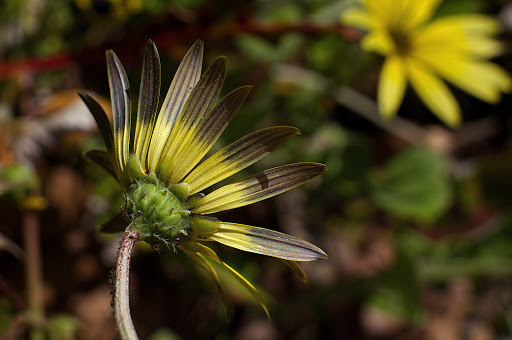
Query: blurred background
x,y
415,217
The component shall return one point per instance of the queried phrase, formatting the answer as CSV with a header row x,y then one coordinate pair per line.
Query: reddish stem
x,y
168,38
122,286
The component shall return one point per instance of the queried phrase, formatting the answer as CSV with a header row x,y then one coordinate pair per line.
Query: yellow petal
x,y
405,14
237,156
382,12
481,79
470,23
356,17
120,97
201,248
266,242
199,102
148,102
206,132
257,187
378,40
199,258
451,38
392,85
421,11
297,269
184,81
434,93
463,26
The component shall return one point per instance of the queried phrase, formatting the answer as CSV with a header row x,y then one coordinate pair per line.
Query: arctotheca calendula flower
x,y
421,50
158,164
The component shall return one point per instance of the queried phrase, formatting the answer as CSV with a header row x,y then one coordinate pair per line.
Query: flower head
x,y
422,50
158,163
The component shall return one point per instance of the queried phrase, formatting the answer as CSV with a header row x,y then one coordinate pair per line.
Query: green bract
x,y
158,163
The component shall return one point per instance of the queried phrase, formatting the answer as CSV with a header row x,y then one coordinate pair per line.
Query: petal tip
x,y
323,256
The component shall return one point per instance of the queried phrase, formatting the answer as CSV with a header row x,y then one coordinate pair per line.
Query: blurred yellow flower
x,y
421,51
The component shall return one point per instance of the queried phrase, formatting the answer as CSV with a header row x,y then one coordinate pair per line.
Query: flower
x,y
422,50
158,164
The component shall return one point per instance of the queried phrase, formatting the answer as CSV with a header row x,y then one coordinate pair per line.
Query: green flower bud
x,y
156,211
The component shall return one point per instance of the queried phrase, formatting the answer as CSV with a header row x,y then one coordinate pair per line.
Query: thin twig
x,y
122,286
367,108
11,247
350,98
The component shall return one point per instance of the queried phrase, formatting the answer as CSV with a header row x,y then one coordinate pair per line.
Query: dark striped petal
x,y
249,286
258,187
237,156
199,258
120,97
208,130
198,104
148,102
297,269
184,81
103,159
101,120
267,242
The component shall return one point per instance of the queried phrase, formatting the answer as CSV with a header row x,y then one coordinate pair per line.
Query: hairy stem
x,y
122,285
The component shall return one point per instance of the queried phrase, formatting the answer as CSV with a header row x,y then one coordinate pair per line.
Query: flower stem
x,y
122,284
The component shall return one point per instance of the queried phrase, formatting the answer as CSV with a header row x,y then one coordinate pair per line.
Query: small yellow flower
x,y
158,163
421,51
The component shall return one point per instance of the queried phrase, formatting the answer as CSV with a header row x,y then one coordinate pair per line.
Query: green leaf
x,y
63,326
455,7
398,293
257,48
413,185
282,12
18,180
261,50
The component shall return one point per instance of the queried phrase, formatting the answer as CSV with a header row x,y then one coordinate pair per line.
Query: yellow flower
x,y
158,163
421,51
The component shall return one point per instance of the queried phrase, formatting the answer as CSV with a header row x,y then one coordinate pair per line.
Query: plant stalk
x,y
122,286
33,273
